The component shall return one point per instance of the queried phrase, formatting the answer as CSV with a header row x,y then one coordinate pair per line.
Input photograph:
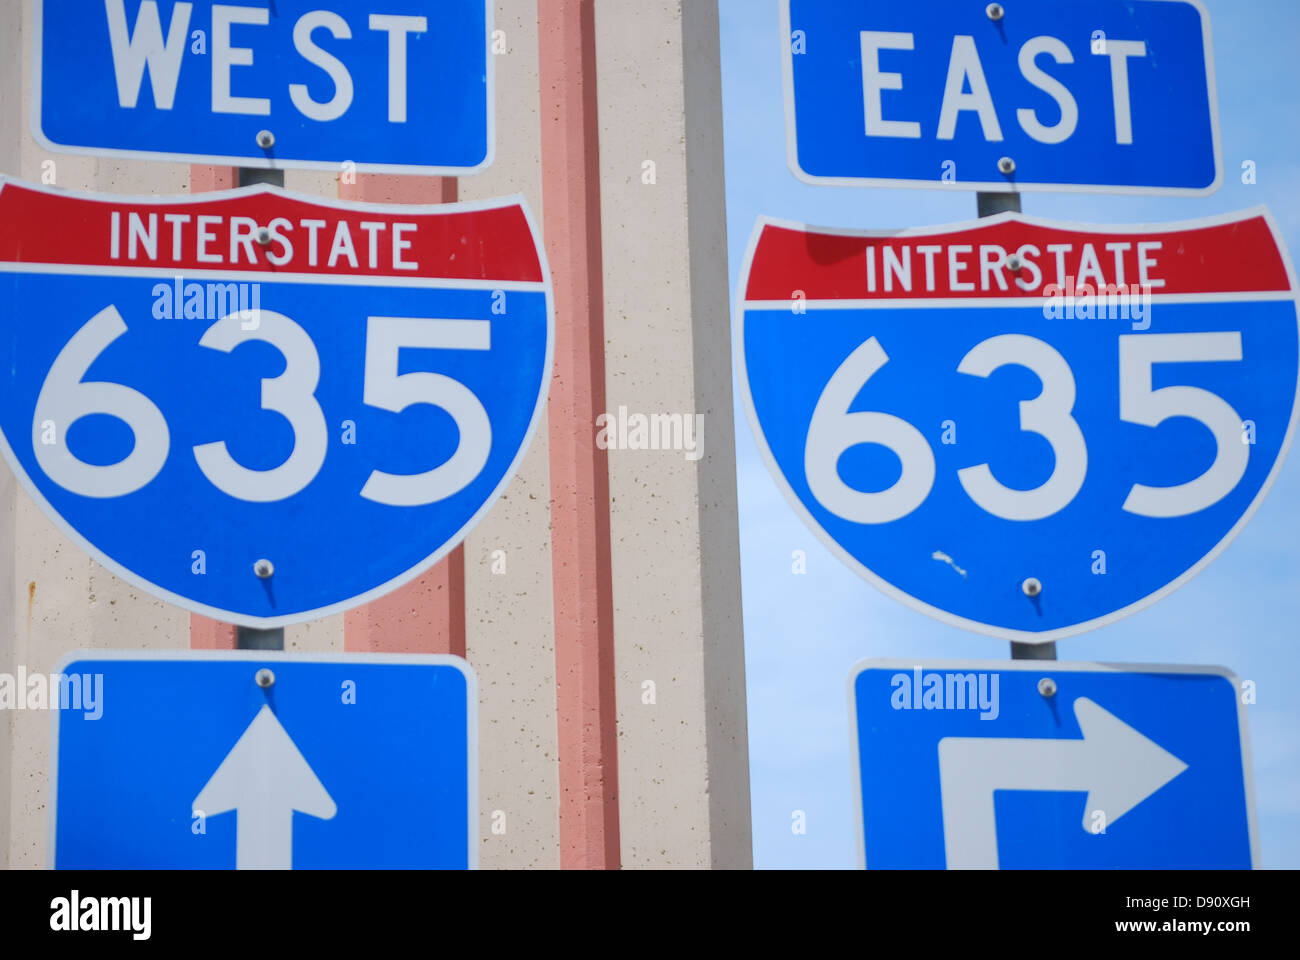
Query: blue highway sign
x,y
1074,95
1049,765
1022,427
207,760
402,86
263,407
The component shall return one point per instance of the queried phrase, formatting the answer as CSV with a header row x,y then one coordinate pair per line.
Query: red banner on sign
x,y
1011,256
263,229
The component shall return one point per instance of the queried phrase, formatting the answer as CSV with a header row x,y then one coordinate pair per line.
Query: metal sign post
x,y
250,638
988,205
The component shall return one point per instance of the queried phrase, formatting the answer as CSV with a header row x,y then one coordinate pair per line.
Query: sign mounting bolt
x,y
264,678
1032,587
263,236
264,569
1047,687
995,11
1014,263
265,139
1007,166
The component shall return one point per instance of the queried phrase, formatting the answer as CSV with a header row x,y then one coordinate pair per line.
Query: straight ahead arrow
x,y
264,779
1117,767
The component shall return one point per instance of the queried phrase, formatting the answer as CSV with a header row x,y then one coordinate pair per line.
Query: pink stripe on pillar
x,y
205,633
426,615
208,634
396,188
206,179
580,547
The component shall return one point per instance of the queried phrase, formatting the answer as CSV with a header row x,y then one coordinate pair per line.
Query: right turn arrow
x,y
1117,767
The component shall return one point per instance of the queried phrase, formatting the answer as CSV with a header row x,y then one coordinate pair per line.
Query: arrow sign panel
x,y
186,760
266,407
988,764
1023,427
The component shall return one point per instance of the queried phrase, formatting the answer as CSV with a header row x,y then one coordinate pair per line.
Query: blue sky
x,y
804,632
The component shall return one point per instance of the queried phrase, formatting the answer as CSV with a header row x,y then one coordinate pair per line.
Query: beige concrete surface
x,y
683,759
509,632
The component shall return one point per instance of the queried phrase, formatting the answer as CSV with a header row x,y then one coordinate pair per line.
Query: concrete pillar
x,y
683,759
509,625
13,40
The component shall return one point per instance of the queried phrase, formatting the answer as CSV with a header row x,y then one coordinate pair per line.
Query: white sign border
x,y
1001,186
739,305
259,659
1046,667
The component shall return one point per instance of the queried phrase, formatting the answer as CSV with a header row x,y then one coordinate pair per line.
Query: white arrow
x,y
264,779
1117,767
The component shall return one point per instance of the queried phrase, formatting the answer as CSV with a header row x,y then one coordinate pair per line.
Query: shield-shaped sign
x,y
1022,427
261,406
